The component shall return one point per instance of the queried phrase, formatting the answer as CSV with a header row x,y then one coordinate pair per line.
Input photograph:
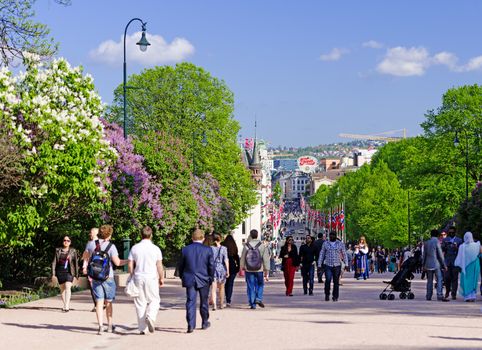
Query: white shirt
x,y
145,254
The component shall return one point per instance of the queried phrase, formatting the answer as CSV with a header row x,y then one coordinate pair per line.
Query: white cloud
x,y
414,61
474,63
159,52
372,44
447,59
334,55
404,62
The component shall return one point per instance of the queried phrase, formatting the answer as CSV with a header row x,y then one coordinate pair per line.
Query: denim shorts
x,y
104,289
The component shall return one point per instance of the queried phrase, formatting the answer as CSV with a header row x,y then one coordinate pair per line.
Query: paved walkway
x,y
358,321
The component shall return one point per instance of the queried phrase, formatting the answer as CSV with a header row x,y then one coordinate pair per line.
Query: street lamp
x,y
143,44
456,144
408,217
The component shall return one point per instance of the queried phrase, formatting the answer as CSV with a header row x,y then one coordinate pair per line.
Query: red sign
x,y
307,161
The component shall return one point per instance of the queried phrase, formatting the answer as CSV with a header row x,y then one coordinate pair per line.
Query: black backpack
x,y
254,261
99,263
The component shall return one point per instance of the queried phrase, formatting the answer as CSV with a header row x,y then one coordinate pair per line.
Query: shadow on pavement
x,y
457,338
76,329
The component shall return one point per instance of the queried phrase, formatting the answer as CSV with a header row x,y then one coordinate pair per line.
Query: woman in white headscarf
x,y
468,261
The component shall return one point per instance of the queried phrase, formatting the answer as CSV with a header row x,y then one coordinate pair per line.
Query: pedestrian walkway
x,y
358,321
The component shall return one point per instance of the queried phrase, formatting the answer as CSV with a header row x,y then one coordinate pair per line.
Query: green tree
x,y
277,192
52,114
164,159
19,33
375,205
461,114
191,105
469,216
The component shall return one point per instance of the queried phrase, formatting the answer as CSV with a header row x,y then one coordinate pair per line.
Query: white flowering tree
x,y
51,113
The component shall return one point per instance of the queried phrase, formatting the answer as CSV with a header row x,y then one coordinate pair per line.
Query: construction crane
x,y
378,137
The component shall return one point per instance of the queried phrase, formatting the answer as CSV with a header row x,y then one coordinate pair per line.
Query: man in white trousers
x,y
145,266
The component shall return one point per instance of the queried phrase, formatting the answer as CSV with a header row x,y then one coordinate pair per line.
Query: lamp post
x,y
408,217
143,44
456,144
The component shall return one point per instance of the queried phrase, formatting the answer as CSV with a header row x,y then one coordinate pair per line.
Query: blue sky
x,y
308,70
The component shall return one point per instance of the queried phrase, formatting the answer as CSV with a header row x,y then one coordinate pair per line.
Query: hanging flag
x,y
342,220
249,144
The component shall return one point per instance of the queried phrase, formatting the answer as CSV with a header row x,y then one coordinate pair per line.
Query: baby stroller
x,y
401,281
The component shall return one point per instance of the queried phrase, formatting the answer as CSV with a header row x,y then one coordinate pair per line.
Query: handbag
x,y
131,288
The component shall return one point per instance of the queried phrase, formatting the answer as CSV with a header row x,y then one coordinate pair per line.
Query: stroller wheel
x,y
403,295
391,297
411,296
383,296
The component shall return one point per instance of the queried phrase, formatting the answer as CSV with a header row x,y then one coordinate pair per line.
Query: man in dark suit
x,y
196,270
450,248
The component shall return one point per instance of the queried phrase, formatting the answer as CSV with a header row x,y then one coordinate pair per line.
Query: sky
x,y
307,70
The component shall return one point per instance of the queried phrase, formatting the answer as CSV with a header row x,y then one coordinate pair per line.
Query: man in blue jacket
x,y
196,270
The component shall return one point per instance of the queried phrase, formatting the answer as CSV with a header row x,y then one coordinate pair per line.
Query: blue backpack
x,y
99,263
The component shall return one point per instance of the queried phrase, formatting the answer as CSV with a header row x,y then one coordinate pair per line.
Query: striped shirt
x,y
332,254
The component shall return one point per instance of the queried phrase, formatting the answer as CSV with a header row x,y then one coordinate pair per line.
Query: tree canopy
x,y
19,33
187,103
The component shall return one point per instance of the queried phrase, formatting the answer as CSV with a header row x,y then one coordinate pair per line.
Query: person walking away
x,y
255,262
234,263
433,263
145,267
307,262
349,254
196,269
289,263
417,254
65,268
318,245
94,231
467,260
221,270
331,256
372,261
381,260
450,248
103,255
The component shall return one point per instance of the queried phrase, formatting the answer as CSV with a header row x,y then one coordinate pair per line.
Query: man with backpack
x,y
255,262
102,254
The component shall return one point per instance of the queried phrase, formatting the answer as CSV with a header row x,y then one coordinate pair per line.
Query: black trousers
x,y
191,294
332,272
451,280
228,288
308,275
319,273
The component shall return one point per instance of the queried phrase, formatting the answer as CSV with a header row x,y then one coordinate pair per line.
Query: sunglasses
x,y
66,240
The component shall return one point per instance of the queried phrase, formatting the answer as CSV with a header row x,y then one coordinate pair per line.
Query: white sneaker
x,y
150,325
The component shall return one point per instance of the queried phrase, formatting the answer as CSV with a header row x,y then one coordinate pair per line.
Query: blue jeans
x,y
308,274
438,279
255,287
104,290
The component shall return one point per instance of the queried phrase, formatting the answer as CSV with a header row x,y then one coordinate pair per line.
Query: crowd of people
x,y
209,265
